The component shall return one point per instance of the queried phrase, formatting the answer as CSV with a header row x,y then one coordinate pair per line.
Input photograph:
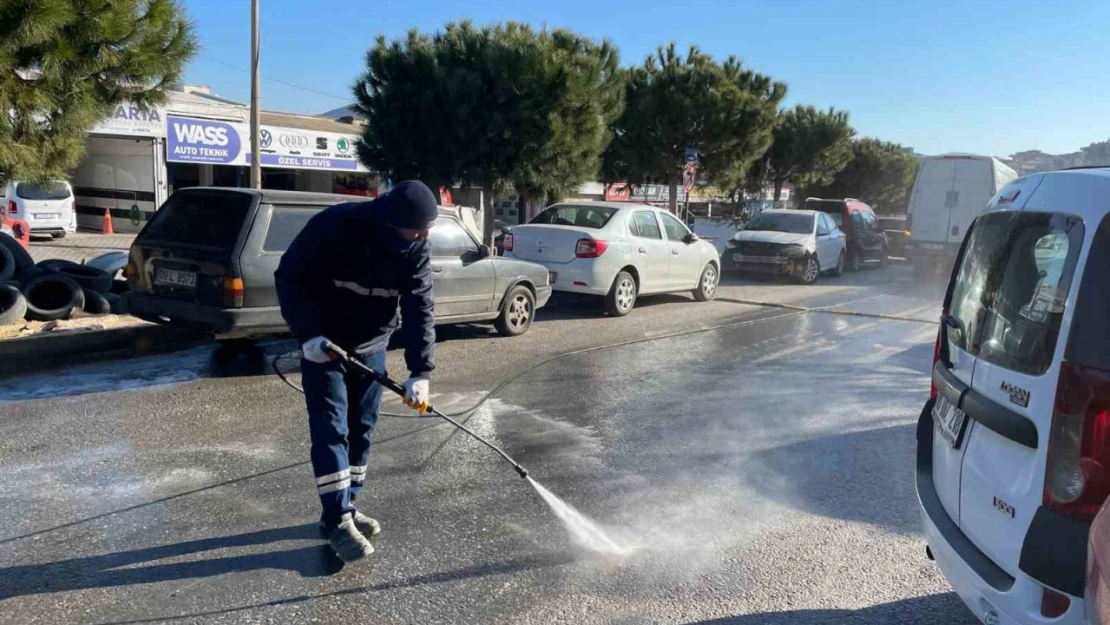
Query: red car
x,y
866,239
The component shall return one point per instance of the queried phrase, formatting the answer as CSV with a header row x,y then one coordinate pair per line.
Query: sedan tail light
x,y
233,292
1077,474
590,248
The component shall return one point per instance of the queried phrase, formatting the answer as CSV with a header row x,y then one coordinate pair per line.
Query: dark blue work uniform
x,y
342,278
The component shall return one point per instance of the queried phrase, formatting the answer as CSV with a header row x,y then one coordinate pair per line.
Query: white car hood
x,y
767,236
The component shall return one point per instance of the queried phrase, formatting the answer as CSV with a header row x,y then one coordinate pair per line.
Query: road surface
x,y
756,461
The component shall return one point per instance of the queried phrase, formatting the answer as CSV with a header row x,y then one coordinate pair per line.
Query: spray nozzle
x,y
521,470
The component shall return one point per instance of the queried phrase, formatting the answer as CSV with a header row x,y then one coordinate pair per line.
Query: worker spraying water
x,y
340,285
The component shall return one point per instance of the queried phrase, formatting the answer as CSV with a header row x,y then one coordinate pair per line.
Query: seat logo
x,y
1017,394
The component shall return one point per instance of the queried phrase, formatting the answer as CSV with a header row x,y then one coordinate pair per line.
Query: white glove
x,y
417,394
313,350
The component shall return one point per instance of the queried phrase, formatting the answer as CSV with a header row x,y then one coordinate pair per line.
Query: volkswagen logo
x,y
293,141
266,138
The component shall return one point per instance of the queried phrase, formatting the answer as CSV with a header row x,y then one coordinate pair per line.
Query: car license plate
x,y
950,420
176,278
45,215
553,276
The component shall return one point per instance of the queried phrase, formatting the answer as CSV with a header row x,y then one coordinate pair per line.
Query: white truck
x,y
951,190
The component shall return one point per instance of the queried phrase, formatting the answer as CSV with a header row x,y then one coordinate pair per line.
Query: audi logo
x,y
293,141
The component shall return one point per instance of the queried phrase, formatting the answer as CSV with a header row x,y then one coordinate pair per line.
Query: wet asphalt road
x,y
759,467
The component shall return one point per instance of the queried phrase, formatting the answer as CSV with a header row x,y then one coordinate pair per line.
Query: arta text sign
x,y
129,120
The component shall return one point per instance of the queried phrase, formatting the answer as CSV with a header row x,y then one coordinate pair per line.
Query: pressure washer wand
x,y
396,388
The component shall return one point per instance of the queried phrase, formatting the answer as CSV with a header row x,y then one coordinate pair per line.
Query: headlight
x,y
794,250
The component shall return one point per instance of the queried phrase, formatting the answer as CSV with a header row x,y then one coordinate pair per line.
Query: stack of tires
x,y
52,289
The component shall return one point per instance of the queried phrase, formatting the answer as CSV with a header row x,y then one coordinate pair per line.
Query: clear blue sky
x,y
942,75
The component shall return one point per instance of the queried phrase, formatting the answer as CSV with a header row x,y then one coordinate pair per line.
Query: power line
x,y
346,99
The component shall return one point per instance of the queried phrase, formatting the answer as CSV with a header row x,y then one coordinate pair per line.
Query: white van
x,y
48,207
1013,448
950,191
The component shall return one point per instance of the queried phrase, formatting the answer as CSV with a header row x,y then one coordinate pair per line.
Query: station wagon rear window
x,y
572,215
200,218
42,191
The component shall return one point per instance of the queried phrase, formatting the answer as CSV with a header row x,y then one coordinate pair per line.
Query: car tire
x,y
621,298
855,261
22,257
52,296
52,264
884,259
839,269
7,264
707,283
88,277
811,271
116,303
517,312
13,305
58,235
95,303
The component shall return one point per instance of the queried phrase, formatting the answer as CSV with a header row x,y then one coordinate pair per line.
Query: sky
x,y
940,76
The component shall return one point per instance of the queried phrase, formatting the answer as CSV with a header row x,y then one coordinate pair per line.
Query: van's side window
x,y
1012,285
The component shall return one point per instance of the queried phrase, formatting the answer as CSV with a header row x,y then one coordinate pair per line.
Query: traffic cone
x,y
107,229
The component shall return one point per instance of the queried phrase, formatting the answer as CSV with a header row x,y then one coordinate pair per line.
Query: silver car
x,y
207,259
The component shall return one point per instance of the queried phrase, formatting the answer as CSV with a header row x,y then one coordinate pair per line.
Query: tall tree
x,y
64,64
880,173
1097,153
495,107
809,147
673,102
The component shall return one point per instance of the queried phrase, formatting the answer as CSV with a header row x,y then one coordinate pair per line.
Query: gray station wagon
x,y
207,259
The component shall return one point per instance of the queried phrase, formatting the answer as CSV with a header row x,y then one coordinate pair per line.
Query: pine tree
x,y
65,64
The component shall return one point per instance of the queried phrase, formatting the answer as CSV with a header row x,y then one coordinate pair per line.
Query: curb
x,y
32,353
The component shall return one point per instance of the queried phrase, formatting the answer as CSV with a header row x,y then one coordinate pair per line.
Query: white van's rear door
x,y
972,188
928,204
1013,388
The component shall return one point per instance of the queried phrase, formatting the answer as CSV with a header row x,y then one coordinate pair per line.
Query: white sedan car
x,y
798,243
618,251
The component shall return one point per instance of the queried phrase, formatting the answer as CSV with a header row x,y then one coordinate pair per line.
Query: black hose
x,y
795,310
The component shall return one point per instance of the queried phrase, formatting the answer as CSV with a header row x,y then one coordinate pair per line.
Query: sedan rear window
x,y
572,215
799,223
42,191
209,218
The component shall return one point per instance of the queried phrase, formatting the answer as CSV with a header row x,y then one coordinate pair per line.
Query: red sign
x,y
445,196
619,192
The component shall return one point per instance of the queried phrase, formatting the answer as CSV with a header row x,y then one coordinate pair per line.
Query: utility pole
x,y
256,156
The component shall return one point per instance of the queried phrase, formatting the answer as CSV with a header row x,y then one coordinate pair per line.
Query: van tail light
x,y
1054,604
507,242
590,248
909,224
936,356
13,210
73,206
233,292
1077,473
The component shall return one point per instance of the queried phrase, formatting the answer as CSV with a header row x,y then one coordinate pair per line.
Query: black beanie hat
x,y
410,204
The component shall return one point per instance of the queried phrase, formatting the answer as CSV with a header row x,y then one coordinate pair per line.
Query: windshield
x,y
799,223
571,215
42,191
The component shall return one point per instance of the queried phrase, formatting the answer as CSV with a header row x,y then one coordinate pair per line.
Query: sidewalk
x,y
79,246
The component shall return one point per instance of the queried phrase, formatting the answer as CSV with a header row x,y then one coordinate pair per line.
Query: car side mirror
x,y
689,238
483,252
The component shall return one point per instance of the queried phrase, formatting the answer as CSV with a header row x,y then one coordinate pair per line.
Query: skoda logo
x,y
342,145
293,141
267,138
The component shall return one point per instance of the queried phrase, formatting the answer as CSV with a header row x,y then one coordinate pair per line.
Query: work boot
x,y
349,544
366,526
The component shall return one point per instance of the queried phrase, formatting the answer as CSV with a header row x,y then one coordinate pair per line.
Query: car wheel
x,y
52,296
707,285
517,312
95,303
884,259
811,271
622,295
854,261
839,270
58,235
